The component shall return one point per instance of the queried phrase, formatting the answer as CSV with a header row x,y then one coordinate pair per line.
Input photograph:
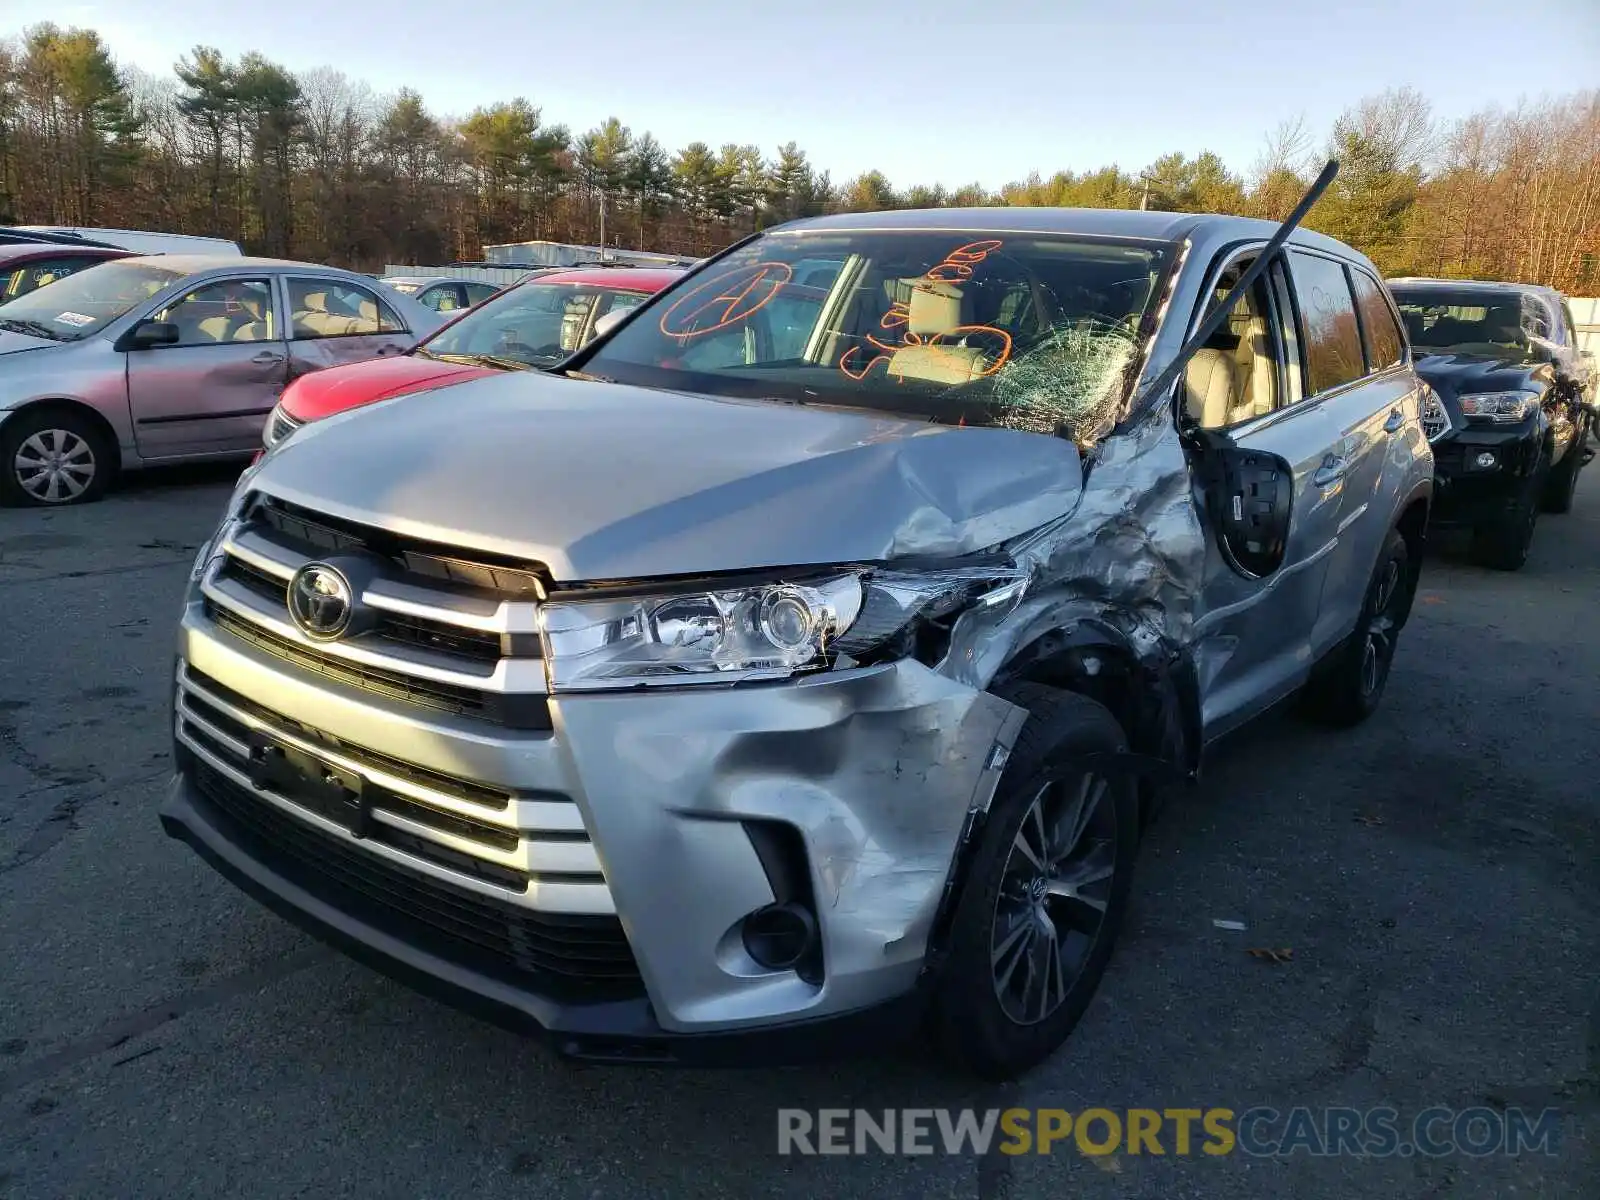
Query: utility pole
x,y
602,227
1144,198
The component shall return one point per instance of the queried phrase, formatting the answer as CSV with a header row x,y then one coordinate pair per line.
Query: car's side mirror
x,y
147,335
1250,497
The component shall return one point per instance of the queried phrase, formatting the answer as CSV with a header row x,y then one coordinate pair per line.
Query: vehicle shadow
x,y
152,480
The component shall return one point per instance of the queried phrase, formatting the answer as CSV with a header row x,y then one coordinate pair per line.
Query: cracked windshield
x,y
1016,331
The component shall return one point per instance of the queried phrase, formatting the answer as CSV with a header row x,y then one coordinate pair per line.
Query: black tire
x,y
64,443
1348,687
1502,543
1563,482
976,1020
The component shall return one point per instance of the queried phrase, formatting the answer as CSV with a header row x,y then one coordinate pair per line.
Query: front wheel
x,y
1563,482
54,456
1045,892
1503,542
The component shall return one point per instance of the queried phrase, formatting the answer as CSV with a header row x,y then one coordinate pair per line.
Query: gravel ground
x,y
1436,873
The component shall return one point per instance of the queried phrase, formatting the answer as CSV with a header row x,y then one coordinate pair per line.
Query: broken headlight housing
x,y
1503,408
753,632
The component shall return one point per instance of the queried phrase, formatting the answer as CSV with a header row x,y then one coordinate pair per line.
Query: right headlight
x,y
751,632
1503,408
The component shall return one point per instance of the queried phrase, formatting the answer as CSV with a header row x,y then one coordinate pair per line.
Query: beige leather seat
x,y
936,309
1210,385
1234,378
314,320
1255,368
216,329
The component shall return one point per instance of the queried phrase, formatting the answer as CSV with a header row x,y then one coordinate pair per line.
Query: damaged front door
x,y
1258,451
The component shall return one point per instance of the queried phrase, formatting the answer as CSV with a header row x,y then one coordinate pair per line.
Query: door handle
x,y
267,356
1330,472
1396,419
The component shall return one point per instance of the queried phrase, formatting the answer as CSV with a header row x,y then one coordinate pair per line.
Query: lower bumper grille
x,y
573,958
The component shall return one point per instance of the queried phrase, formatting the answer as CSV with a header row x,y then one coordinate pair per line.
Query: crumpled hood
x,y
604,481
1463,374
323,393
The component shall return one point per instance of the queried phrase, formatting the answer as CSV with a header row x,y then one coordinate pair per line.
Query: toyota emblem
x,y
321,601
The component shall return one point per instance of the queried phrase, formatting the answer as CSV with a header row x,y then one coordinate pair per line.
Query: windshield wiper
x,y
486,360
36,328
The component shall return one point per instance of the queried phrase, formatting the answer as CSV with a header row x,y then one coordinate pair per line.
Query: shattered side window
x,y
1029,332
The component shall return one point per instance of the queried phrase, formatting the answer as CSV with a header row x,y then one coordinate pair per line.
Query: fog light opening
x,y
780,936
1485,460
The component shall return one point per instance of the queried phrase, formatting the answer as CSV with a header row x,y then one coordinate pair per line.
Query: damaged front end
x,y
758,576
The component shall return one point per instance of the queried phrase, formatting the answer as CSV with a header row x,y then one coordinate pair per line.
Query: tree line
x,y
317,166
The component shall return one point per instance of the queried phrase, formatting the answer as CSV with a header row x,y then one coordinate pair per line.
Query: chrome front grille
x,y
1435,419
529,850
446,633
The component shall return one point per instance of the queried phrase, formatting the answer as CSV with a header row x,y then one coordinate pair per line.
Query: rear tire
x,y
1045,892
1502,543
1348,688
53,457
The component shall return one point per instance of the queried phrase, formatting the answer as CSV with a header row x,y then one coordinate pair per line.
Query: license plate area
x,y
306,780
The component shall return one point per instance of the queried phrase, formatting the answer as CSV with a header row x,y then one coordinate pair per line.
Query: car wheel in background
x,y
1563,481
1045,890
54,456
1502,543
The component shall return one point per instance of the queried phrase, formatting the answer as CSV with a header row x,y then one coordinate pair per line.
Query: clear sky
x,y
941,91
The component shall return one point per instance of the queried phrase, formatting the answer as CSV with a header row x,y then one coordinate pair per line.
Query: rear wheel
x,y
1349,687
54,456
1045,892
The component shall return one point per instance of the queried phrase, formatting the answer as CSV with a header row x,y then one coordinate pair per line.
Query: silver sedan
x,y
172,358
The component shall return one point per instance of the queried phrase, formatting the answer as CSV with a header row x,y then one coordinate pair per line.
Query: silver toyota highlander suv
x,y
802,658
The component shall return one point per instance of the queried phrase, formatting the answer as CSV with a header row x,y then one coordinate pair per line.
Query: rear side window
x,y
324,308
1328,315
1385,346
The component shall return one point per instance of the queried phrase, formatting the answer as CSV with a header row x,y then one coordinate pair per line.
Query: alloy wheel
x,y
54,465
1378,651
1054,892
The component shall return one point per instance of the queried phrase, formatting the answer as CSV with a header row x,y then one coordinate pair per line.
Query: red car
x,y
26,266
530,325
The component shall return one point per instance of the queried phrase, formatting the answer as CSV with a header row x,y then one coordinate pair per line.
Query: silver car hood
x,y
13,343
604,482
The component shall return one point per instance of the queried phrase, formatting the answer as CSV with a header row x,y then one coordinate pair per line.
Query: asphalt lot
x,y
1436,873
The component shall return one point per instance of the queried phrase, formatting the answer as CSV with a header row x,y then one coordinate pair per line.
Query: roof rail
x,y
10,235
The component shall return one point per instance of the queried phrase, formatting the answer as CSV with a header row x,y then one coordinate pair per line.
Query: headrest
x,y
316,301
934,307
369,310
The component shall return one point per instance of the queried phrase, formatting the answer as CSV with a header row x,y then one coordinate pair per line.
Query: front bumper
x,y
615,1031
876,774
1465,492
